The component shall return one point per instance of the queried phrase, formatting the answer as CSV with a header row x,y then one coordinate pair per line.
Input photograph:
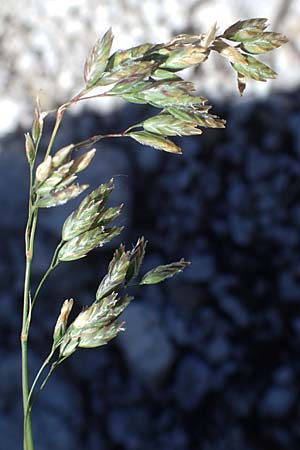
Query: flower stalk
x,y
29,247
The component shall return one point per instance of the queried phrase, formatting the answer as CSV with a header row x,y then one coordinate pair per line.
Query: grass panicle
x,y
145,74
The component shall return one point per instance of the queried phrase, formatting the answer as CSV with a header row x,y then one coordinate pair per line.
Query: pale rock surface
x,y
44,45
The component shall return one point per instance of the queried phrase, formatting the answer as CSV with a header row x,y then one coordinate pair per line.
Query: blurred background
x,y
211,359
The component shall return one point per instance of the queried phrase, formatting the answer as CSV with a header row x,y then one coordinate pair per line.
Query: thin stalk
x,y
131,128
59,116
27,301
82,98
51,370
54,263
78,97
34,399
98,137
27,437
29,244
31,400
45,363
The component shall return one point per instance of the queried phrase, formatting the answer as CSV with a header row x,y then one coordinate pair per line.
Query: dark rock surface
x,y
210,360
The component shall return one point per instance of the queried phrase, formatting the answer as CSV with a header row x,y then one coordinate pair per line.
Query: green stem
x,y
27,301
54,263
45,363
98,137
29,244
27,438
59,116
132,127
52,368
34,399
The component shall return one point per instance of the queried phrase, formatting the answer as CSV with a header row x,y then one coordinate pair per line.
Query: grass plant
x,y
145,74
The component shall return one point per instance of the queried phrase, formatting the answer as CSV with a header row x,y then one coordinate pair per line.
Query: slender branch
x,y
131,128
52,368
54,263
98,137
104,94
59,116
113,135
45,363
80,98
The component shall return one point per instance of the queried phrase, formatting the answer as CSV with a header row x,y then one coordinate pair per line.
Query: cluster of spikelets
x,y
97,325
134,71
86,228
55,177
146,74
